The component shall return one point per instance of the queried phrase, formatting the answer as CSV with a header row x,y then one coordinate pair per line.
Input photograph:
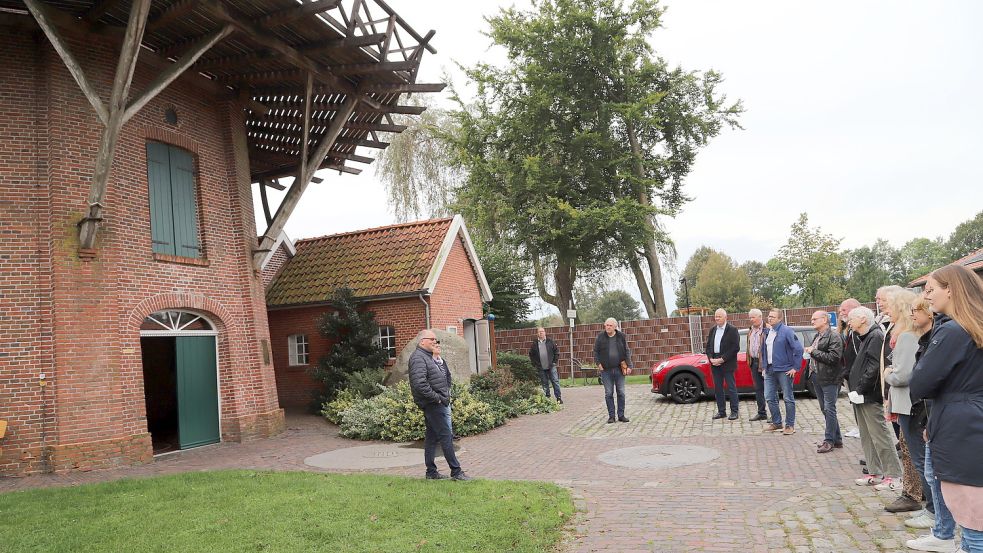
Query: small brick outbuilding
x,y
413,276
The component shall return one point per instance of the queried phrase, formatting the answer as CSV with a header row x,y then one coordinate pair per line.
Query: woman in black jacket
x,y
950,373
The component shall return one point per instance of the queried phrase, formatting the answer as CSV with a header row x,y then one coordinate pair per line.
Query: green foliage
x,y
967,238
721,283
691,272
470,415
344,399
367,382
403,420
355,347
918,257
610,303
281,511
573,149
519,365
813,264
507,277
867,269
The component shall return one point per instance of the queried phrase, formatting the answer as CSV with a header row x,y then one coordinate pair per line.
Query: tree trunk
x,y
651,251
636,269
564,277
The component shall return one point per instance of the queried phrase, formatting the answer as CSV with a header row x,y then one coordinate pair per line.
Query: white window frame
x,y
299,348
388,342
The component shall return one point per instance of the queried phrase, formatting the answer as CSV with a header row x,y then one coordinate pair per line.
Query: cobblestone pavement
x,y
765,492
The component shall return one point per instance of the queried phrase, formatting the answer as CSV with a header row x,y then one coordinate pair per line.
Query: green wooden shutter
x,y
197,393
161,212
184,203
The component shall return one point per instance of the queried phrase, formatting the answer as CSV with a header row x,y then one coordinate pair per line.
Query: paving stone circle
x,y
659,456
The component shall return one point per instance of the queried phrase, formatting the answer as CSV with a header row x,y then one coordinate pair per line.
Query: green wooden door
x,y
197,391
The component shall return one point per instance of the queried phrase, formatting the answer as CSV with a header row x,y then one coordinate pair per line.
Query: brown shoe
x,y
903,504
825,447
788,431
771,427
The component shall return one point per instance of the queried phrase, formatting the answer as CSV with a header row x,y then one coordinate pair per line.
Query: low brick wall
x,y
651,340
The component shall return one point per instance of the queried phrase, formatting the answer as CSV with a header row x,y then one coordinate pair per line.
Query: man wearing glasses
x,y
781,357
431,387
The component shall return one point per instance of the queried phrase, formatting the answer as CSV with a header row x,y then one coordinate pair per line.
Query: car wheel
x,y
809,388
685,388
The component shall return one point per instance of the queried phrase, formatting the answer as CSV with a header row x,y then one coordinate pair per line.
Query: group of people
x,y
913,372
914,376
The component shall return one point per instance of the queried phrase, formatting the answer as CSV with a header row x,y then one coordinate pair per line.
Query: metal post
x,y
685,284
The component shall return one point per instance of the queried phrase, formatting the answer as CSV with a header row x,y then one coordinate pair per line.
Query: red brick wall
x,y
295,387
651,340
76,319
456,295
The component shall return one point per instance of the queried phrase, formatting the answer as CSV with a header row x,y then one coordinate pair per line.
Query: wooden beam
x,y
403,87
245,98
333,106
284,172
44,17
168,76
125,67
229,63
363,142
261,36
340,43
300,183
377,127
374,67
98,10
175,11
266,202
293,13
305,135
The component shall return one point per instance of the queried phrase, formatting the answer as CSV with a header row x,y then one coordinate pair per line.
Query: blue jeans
x,y
612,378
549,376
827,394
773,381
916,448
945,525
720,376
437,418
972,540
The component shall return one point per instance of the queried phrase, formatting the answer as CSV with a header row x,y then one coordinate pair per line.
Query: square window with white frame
x,y
299,349
387,339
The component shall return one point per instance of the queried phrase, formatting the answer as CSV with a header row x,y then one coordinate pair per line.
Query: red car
x,y
686,377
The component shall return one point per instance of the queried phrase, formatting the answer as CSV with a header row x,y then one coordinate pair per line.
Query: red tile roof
x,y
973,262
395,259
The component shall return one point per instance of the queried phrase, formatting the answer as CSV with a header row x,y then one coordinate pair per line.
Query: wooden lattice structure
x,y
318,78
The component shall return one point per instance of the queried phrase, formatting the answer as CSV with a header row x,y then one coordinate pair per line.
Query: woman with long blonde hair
x,y
950,373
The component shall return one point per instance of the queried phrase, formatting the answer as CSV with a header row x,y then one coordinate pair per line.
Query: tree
x,y
612,303
919,256
691,273
572,151
813,262
355,343
768,283
967,238
507,278
721,283
867,269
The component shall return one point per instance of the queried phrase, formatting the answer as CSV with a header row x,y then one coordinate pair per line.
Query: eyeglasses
x,y
436,341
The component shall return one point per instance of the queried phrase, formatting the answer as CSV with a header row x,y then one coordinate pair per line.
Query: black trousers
x,y
759,384
719,375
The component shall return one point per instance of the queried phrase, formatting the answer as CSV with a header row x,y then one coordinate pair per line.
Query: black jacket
x,y
851,346
950,373
865,374
554,354
601,353
428,382
828,354
730,346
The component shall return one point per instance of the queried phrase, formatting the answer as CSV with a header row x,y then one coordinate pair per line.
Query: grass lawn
x,y
285,511
592,381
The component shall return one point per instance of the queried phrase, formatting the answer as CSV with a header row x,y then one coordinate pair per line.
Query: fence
x,y
651,340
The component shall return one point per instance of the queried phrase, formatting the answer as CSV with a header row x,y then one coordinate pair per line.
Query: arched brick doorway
x,y
180,378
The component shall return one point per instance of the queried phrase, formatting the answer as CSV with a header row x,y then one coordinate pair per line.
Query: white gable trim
x,y
281,239
458,229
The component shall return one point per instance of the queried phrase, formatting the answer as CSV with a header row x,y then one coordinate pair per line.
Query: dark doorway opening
x,y
160,388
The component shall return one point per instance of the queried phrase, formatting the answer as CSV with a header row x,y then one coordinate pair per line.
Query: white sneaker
x,y
869,480
924,521
929,542
889,483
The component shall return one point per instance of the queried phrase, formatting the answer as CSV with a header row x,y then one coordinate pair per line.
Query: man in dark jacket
x,y
544,356
610,350
722,347
864,382
431,387
826,372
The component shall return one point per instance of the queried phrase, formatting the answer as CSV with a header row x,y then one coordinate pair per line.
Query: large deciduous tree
x,y
721,283
573,150
967,238
814,264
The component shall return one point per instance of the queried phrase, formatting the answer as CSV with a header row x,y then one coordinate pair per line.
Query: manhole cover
x,y
658,456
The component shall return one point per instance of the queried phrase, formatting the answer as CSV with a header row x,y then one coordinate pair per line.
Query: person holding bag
x,y
613,357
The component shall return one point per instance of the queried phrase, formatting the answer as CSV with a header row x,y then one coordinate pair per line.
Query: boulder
x,y
453,349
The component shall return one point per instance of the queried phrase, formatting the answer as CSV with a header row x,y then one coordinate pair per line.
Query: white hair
x,y
611,320
754,312
863,312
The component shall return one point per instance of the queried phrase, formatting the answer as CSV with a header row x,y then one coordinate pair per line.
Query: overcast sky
x,y
867,115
